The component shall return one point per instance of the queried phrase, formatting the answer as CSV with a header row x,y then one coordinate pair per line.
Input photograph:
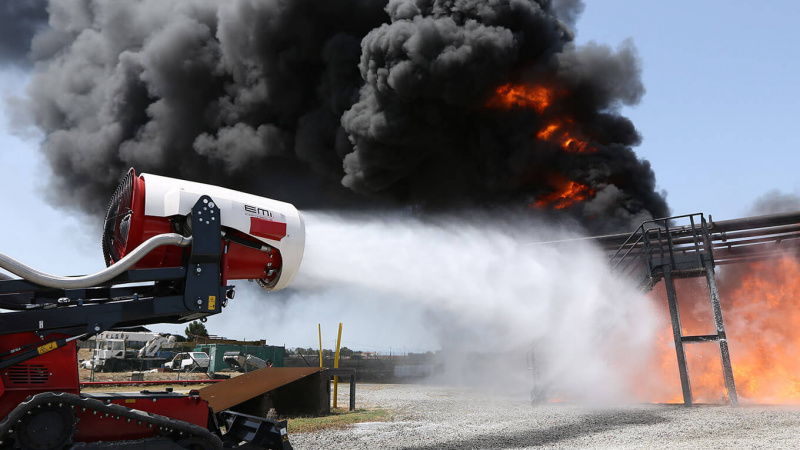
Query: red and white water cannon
x,y
262,239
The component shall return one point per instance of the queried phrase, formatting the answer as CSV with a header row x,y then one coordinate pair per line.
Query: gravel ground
x,y
434,417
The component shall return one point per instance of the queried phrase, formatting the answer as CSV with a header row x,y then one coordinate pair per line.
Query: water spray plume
x,y
484,297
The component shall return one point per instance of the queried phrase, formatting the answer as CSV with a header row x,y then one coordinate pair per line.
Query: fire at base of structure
x,y
690,247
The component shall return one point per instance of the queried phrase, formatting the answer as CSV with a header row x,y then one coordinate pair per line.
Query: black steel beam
x,y
790,220
702,338
683,370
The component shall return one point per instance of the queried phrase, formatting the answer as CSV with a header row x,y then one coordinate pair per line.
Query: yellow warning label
x,y
42,349
212,302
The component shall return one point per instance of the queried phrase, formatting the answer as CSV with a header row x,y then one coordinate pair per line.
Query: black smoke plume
x,y
19,21
338,104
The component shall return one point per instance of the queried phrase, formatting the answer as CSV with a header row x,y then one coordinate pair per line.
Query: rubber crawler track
x,y
167,427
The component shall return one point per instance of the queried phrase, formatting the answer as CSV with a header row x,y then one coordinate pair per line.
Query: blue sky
x,y
719,116
718,120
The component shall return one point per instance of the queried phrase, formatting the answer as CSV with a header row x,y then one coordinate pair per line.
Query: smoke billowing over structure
x,y
438,105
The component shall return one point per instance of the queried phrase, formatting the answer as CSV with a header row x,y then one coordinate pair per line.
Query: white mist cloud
x,y
482,293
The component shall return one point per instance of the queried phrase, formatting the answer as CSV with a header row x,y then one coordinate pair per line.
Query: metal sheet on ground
x,y
228,393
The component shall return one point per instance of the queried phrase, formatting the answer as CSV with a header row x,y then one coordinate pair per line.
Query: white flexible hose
x,y
44,279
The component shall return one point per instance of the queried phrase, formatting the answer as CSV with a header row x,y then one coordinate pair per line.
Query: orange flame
x,y
566,195
761,309
508,96
548,131
540,98
565,138
763,325
574,145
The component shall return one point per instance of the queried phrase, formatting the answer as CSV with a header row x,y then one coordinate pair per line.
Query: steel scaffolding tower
x,y
688,247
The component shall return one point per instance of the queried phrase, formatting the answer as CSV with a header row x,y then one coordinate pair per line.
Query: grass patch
x,y
339,418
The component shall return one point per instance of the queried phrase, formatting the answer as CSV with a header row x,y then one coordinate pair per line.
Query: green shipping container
x,y
217,351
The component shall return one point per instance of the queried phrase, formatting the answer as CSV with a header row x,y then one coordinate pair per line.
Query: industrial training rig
x,y
41,406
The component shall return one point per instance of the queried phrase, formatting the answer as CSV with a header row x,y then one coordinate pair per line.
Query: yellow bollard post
x,y
336,366
319,327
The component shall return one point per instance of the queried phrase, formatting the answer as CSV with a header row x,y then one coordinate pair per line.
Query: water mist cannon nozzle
x,y
263,239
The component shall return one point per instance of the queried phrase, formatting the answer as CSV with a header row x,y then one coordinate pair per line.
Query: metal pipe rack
x,y
689,246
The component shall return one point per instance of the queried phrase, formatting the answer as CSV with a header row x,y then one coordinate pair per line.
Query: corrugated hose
x,y
84,281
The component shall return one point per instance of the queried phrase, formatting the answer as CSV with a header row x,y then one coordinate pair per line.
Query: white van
x,y
189,361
